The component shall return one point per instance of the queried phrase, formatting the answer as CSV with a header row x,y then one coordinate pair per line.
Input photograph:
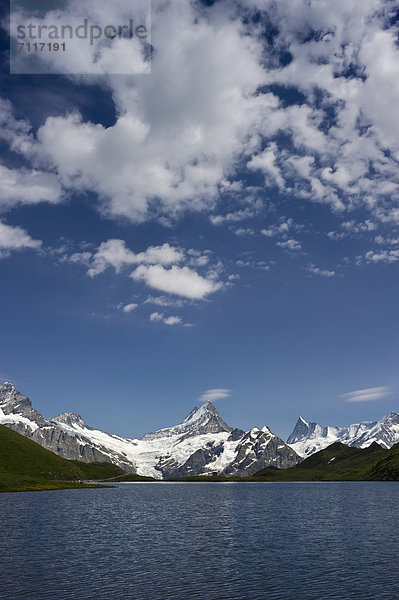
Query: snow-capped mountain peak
x,y
7,391
71,419
308,438
201,420
16,409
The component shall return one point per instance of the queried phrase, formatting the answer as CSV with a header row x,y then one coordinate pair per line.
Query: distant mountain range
x,y
202,444
308,438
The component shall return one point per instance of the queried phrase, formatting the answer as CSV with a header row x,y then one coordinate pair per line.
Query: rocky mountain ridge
x,y
202,444
309,437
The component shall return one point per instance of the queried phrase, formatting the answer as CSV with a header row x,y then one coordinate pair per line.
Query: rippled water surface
x,y
271,541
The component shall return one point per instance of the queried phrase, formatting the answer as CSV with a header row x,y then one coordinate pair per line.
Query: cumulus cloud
x,y
291,244
359,227
187,274
214,394
314,270
379,239
15,238
368,394
172,320
376,257
215,111
254,264
281,228
238,215
266,162
181,281
244,231
27,186
98,56
164,301
129,307
208,109
114,253
156,316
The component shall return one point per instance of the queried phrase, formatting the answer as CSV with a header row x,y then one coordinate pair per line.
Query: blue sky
x,y
228,221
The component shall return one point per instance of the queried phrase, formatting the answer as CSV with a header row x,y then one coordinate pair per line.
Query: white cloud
x,y
114,253
179,131
214,394
336,236
27,186
172,320
85,56
367,394
291,244
77,258
183,135
280,229
266,162
238,215
15,238
158,267
382,256
255,264
314,270
181,281
164,301
244,231
163,255
356,227
156,316
379,239
129,307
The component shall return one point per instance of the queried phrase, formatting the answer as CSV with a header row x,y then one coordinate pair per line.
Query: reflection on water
x,y
257,541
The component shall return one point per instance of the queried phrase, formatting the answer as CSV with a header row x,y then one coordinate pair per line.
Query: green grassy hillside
x,y
26,465
341,463
387,468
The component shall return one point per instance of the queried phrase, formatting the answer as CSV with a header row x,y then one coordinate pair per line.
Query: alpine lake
x,y
207,541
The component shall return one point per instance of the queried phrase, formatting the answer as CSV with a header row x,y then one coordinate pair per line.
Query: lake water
x,y
183,541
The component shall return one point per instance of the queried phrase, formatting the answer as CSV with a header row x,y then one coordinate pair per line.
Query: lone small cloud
x,y
214,394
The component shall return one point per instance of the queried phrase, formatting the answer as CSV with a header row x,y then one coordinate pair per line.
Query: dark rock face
x,y
300,431
236,435
195,465
255,450
14,403
258,449
67,446
304,430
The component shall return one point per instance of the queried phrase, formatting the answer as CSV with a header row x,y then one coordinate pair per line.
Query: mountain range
x,y
202,444
308,438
